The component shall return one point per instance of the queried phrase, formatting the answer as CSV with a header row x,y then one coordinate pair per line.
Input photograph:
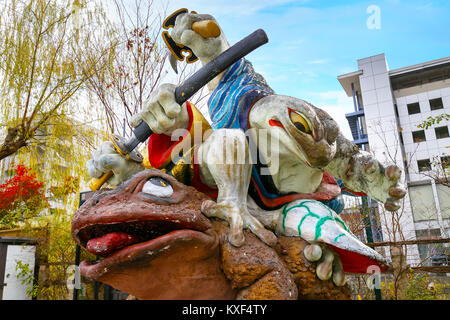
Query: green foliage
x,y
419,287
40,81
430,121
41,105
26,275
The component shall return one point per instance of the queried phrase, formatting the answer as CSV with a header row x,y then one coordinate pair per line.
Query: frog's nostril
x,y
95,201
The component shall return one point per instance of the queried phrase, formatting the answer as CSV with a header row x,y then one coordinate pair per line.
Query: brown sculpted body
x,y
178,253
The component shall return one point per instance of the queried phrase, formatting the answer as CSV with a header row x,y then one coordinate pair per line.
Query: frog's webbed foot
x,y
328,263
327,235
225,160
238,218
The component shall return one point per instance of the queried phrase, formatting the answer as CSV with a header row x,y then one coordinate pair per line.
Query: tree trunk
x,y
400,271
15,139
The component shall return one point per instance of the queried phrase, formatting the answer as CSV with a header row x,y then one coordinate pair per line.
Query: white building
x,y
389,106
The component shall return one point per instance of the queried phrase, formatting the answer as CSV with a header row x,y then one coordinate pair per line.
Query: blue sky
x,y
311,42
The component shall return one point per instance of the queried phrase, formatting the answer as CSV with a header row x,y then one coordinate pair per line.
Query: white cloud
x,y
336,96
319,61
224,7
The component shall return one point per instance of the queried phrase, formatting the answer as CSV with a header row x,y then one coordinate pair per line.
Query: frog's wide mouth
x,y
119,243
105,239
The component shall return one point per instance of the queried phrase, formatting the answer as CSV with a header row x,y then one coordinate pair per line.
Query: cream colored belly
x,y
297,177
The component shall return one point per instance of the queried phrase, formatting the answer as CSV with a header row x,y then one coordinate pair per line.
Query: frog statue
x,y
272,166
156,244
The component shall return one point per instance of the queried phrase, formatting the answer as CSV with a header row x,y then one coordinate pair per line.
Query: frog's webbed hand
x,y
161,111
380,182
224,162
328,262
361,171
105,159
204,48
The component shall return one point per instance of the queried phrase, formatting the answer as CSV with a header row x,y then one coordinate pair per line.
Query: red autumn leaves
x,y
23,189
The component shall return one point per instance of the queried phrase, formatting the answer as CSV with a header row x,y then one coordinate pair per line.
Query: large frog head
x,y
309,133
150,230
156,244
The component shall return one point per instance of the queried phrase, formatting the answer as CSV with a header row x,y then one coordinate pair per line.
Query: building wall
x,y
384,140
433,212
432,146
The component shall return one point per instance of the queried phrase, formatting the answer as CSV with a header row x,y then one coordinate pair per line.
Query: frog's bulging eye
x,y
157,186
299,122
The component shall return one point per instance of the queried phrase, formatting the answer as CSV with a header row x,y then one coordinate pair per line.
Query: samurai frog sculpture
x,y
274,164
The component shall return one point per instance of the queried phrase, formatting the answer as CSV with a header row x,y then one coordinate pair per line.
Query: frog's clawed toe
x,y
238,219
328,263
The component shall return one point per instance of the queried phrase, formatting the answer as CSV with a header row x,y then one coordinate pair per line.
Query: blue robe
x,y
229,105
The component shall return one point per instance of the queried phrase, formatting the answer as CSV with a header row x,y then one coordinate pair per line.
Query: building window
x,y
413,108
430,253
441,132
443,193
418,136
424,165
444,200
422,203
436,104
